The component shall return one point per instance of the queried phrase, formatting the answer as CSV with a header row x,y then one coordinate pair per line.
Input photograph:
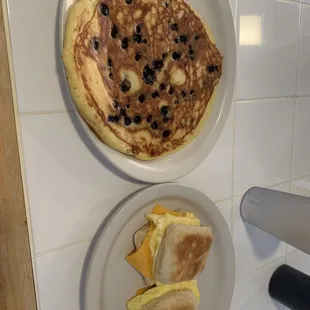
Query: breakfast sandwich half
x,y
180,296
172,248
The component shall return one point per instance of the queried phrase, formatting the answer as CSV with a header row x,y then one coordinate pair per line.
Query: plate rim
x,y
122,205
130,165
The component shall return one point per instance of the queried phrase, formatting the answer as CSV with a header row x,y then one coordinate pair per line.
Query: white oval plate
x,y
108,281
218,16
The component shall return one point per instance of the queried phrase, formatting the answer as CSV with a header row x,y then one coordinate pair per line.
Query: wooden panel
x,y
16,277
1,19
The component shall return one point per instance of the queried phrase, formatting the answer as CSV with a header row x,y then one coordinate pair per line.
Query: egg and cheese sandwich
x,y
179,296
173,247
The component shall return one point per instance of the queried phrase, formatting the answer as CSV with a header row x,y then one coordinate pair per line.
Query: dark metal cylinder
x,y
291,288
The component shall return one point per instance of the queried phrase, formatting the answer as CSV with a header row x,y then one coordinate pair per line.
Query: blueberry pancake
x,y
141,72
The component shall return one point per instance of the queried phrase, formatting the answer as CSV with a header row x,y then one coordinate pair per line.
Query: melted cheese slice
x,y
142,259
145,289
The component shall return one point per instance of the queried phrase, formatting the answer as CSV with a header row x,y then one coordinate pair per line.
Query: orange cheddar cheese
x,y
142,259
160,210
143,290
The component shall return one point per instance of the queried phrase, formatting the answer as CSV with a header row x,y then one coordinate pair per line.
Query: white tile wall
x,y
252,291
301,162
265,142
68,187
283,187
253,247
301,186
263,138
58,276
300,261
226,208
216,181
268,36
303,88
34,35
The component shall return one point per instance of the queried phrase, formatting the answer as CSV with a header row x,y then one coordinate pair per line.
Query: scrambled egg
x,y
137,302
162,222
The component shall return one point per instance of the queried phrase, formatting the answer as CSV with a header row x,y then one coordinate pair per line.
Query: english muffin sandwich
x,y
173,247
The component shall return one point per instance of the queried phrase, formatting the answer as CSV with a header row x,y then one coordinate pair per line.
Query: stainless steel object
x,y
283,215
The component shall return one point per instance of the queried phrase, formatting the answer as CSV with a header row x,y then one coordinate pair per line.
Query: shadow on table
x,y
264,245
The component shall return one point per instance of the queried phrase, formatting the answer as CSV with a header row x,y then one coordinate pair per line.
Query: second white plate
x,y
218,16
108,281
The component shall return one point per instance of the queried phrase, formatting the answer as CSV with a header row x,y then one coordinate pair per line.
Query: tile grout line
x,y
286,254
292,146
296,82
303,96
20,148
294,2
244,101
62,248
71,245
44,112
232,220
78,243
298,1
296,88
250,100
294,112
232,198
260,268
298,48
299,177
290,1
270,186
223,200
